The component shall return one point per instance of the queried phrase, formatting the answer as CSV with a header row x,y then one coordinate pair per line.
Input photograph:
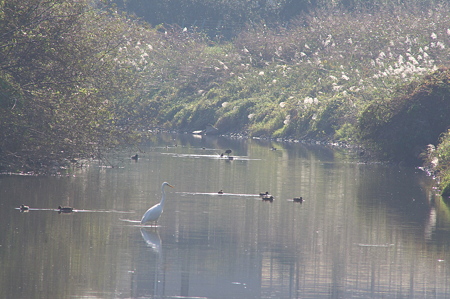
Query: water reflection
x,y
152,239
155,260
363,230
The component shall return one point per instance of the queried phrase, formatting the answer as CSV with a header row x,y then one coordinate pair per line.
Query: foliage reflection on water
x,y
364,230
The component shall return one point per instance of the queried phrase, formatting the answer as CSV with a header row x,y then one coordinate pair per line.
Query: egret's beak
x,y
171,186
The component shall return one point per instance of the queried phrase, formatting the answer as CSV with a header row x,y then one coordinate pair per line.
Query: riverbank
x,y
384,87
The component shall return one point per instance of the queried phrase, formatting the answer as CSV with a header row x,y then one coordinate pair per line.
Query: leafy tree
x,y
59,79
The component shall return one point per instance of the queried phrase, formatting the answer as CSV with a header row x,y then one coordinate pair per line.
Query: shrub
x,y
266,128
404,125
235,119
438,160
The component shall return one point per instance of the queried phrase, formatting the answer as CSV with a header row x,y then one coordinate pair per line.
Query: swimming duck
x,y
24,208
220,192
65,209
135,157
298,199
267,197
263,194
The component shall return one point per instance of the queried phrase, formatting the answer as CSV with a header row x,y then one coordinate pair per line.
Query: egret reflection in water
x,y
152,239
153,276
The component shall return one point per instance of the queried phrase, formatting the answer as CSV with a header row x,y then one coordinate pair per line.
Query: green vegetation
x,y
61,85
404,125
77,79
438,159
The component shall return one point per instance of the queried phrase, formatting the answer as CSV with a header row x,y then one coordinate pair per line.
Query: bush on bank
x,y
401,127
63,82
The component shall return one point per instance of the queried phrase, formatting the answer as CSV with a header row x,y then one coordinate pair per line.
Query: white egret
x,y
154,212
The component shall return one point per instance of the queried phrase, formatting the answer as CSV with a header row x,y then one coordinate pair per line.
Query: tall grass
x,y
310,78
361,75
322,58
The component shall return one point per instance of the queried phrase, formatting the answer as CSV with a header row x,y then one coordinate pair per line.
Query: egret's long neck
x,y
163,198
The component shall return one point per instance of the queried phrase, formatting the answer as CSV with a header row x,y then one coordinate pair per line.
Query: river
x,y
364,230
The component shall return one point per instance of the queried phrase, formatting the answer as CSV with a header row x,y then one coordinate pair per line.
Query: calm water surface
x,y
363,231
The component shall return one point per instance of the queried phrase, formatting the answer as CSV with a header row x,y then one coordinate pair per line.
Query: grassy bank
x,y
93,77
383,85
